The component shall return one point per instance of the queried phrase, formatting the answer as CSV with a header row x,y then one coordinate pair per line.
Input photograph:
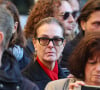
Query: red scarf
x,y
53,74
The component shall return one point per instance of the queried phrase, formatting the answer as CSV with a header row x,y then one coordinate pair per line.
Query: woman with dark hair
x,y
84,64
17,41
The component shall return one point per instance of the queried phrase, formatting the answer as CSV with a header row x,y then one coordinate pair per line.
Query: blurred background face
x,y
75,7
92,70
49,53
93,23
67,20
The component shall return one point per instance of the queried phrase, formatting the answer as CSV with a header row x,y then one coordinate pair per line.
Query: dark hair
x,y
48,20
18,37
42,9
86,48
90,7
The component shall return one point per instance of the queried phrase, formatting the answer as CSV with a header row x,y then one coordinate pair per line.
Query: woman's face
x,y
92,70
48,53
69,21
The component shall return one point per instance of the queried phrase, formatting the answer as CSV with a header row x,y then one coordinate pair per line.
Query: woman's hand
x,y
70,76
76,84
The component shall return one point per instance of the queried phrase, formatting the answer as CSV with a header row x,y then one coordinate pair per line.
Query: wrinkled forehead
x,y
50,29
94,52
94,57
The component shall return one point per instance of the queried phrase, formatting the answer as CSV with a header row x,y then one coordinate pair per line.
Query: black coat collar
x,y
34,71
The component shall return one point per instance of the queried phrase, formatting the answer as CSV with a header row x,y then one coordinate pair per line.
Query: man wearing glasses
x,y
89,21
67,17
69,11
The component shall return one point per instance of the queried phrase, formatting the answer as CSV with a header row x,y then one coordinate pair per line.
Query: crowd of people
x,y
59,48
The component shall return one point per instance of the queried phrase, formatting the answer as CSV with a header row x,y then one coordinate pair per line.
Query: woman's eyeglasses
x,y
67,14
44,41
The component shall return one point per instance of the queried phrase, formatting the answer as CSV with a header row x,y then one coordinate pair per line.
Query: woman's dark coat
x,y
36,74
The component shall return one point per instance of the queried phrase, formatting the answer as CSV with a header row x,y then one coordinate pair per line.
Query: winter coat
x,y
36,74
10,76
61,84
68,49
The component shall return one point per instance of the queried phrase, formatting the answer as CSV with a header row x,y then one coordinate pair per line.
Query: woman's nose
x,y
51,44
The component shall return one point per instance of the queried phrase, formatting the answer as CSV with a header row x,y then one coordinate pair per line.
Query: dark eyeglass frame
x,y
50,39
67,14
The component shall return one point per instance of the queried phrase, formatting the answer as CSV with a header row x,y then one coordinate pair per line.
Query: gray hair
x,y
6,24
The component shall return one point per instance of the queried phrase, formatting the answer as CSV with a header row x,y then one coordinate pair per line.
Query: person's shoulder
x,y
28,84
72,43
56,85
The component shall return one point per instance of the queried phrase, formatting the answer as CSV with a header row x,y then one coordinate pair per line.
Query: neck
x,y
1,51
49,64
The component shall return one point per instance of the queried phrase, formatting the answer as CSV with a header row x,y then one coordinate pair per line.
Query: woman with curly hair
x,y
60,9
51,8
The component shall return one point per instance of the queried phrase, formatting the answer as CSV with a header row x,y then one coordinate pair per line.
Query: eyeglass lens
x,y
45,41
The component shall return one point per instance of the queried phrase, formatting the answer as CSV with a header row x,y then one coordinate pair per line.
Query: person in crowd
x,y
51,8
87,21
75,4
17,42
10,75
84,65
60,9
48,40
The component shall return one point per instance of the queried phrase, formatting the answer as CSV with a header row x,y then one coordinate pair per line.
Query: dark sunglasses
x,y
67,14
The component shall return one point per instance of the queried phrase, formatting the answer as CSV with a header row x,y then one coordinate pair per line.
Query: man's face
x,y
93,23
67,20
75,6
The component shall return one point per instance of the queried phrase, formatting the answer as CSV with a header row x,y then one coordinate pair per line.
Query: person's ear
x,y
83,25
15,27
34,43
1,37
64,43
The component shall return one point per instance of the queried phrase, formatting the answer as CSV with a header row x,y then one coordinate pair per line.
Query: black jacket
x,y
10,76
28,55
36,74
68,49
